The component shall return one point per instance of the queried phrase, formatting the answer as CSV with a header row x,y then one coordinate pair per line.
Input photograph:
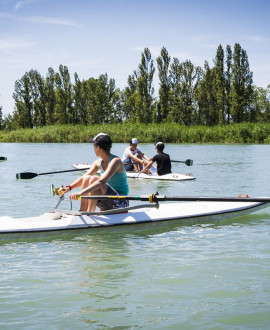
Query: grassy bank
x,y
169,133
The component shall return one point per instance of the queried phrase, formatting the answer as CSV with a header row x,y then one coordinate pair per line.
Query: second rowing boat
x,y
139,175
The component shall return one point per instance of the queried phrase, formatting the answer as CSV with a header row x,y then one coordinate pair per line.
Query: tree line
x,y
187,94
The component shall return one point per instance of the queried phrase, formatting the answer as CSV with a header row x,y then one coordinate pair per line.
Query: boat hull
x,y
139,175
166,213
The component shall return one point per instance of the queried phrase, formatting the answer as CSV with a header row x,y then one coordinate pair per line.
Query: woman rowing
x,y
113,179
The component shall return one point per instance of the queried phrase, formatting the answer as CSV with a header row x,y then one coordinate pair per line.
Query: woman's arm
x,y
94,167
78,182
114,166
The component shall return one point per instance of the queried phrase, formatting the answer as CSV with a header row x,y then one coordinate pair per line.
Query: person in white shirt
x,y
133,155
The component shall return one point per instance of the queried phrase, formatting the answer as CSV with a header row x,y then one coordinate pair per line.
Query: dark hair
x,y
160,146
103,141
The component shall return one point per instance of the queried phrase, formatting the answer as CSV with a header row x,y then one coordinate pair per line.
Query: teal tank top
x,y
118,181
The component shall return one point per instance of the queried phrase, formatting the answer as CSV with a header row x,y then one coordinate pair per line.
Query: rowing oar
x,y
3,158
31,175
153,198
188,162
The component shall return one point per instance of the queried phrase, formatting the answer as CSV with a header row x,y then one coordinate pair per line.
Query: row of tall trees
x,y
40,102
187,94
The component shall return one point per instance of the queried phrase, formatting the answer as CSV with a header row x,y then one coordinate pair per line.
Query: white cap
x,y
134,141
99,134
93,139
160,145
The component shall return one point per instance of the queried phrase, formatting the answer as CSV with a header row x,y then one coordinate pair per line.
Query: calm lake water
x,y
204,276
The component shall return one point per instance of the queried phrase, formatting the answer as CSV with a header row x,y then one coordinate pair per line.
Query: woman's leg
x,y
89,205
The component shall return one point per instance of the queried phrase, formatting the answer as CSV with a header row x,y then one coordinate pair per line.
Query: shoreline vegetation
x,y
253,133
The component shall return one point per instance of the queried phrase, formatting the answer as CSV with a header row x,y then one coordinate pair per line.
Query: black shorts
x,y
109,204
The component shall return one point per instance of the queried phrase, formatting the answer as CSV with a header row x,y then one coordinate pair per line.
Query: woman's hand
x,y
63,190
75,196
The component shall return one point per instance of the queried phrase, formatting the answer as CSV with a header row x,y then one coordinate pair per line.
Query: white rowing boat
x,y
160,213
139,175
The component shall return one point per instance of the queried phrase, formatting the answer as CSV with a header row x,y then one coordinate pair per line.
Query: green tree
x,y
96,100
163,65
138,97
92,101
207,113
79,100
116,113
241,86
184,80
219,84
144,98
100,101
261,104
176,102
23,114
50,96
9,123
228,83
128,98
63,95
38,98
30,100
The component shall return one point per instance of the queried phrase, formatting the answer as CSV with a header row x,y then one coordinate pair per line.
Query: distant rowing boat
x,y
139,175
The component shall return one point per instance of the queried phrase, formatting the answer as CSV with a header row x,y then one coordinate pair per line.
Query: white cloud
x,y
15,44
22,3
50,20
6,15
256,38
41,20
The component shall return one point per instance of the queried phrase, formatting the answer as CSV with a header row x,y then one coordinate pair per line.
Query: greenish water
x,y
207,276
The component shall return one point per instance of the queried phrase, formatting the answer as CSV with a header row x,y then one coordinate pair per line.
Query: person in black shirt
x,y
162,160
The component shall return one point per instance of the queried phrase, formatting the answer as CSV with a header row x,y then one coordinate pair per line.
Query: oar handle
x,y
132,163
152,198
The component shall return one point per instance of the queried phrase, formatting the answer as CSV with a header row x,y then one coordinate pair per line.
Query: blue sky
x,y
92,37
